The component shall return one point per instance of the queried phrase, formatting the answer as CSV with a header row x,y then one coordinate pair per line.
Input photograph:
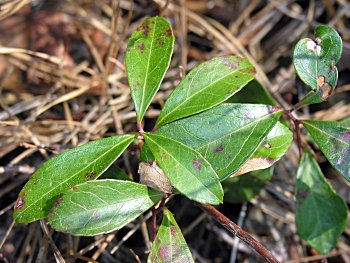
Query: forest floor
x,y
63,83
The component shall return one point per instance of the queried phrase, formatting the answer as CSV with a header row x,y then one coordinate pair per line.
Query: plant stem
x,y
237,231
139,128
155,212
297,123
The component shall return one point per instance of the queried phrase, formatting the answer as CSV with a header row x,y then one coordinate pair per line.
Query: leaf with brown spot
x,y
273,147
333,138
314,62
169,245
147,59
226,138
101,206
206,86
62,172
186,169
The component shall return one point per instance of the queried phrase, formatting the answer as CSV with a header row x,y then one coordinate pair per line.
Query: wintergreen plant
x,y
202,138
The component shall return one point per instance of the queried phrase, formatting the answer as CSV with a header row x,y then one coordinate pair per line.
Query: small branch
x,y
139,128
237,231
155,212
297,123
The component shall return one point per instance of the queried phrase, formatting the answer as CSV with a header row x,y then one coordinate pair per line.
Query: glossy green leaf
x,y
243,188
314,62
272,148
321,214
101,206
226,135
253,93
115,172
334,141
206,86
169,245
54,177
147,58
186,169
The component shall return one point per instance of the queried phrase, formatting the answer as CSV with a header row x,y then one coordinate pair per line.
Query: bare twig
x,y
237,231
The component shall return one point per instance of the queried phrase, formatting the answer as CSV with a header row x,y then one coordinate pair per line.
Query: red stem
x,y
155,212
139,127
237,231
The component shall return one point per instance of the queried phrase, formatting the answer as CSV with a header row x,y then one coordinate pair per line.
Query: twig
x,y
237,231
155,212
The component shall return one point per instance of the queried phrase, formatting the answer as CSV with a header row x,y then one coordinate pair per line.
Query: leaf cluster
x,y
203,137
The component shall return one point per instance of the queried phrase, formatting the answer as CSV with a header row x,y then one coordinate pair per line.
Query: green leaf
x,y
169,245
115,172
314,62
345,122
147,59
206,86
57,175
321,214
101,206
334,141
272,148
243,188
253,93
226,135
186,169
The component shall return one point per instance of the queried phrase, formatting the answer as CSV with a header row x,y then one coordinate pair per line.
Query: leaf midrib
x,y
147,71
323,132
42,197
199,91
239,129
108,205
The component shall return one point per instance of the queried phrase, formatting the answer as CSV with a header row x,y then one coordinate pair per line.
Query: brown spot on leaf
x,y
267,146
172,230
19,203
321,80
325,87
146,28
326,91
219,149
58,201
160,42
164,252
141,47
90,175
197,164
169,32
249,70
75,187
